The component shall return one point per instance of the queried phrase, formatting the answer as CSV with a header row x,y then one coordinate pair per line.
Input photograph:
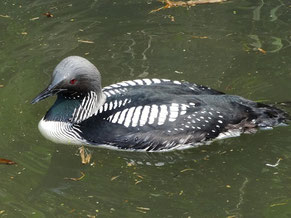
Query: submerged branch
x,y
85,155
172,4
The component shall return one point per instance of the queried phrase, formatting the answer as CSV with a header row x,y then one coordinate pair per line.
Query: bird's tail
x,y
270,115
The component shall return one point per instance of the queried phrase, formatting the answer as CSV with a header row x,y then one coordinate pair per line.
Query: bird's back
x,y
154,114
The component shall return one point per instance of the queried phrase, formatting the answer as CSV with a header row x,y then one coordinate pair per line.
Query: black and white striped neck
x,y
89,106
75,107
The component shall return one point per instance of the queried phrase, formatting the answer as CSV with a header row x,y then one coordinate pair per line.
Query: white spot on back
x,y
115,86
122,116
114,120
183,109
107,94
138,81
132,83
110,118
163,114
183,112
100,109
125,101
128,116
105,106
110,105
144,115
135,117
122,84
117,91
147,81
111,92
174,109
115,104
154,113
156,80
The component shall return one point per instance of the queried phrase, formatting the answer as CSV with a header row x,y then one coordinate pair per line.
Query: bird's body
x,y
145,114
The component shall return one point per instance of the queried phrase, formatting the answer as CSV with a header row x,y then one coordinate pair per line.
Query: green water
x,y
226,178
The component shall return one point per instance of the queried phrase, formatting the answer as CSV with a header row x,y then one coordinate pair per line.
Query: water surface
x,y
214,45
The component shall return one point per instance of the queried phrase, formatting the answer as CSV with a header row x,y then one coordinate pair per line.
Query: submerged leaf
x,y
142,209
187,169
114,177
278,204
34,18
85,41
76,179
48,14
262,50
4,16
5,161
274,165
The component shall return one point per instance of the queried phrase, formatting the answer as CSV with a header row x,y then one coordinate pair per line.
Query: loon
x,y
144,114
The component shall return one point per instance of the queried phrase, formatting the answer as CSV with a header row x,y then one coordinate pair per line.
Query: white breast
x,y
60,132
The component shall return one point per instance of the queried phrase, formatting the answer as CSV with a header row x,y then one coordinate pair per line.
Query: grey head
x,y
73,77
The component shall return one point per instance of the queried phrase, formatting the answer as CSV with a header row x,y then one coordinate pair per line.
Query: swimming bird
x,y
144,114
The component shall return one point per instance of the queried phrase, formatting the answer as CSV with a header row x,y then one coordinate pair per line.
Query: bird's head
x,y
74,77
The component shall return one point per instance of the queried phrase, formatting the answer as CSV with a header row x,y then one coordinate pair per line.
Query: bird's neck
x,y
75,110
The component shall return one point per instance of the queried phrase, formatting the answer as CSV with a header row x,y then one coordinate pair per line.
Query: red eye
x,y
73,81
